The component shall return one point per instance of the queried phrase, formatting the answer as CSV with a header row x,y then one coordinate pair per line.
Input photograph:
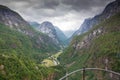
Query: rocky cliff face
x,y
85,42
110,10
14,20
49,29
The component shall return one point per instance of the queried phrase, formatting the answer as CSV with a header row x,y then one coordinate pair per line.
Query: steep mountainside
x,y
110,10
61,36
19,59
54,32
49,29
22,49
98,48
14,21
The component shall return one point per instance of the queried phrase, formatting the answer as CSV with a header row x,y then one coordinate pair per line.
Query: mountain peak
x,y
49,29
52,31
47,24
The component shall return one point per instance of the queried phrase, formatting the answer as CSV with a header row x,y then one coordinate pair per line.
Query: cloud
x,y
66,14
48,4
85,4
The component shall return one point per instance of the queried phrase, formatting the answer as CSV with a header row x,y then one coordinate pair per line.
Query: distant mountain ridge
x,y
109,10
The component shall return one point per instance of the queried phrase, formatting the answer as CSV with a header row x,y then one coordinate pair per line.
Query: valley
x,y
52,60
30,50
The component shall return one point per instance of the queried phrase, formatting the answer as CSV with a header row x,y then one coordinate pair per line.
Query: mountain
x,y
22,49
110,10
48,28
97,48
61,36
19,59
14,21
54,32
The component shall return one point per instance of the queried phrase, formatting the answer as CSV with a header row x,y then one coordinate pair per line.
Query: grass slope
x,y
19,57
102,47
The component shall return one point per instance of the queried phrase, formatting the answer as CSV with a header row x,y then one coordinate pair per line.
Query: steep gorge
x,y
22,48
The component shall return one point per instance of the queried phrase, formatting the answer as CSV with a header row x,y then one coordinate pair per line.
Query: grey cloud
x,y
44,4
51,3
85,4
57,10
34,3
77,5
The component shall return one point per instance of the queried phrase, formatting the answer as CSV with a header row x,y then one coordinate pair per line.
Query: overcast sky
x,y
66,14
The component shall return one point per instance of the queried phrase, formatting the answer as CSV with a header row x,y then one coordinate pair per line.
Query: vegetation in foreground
x,y
20,60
